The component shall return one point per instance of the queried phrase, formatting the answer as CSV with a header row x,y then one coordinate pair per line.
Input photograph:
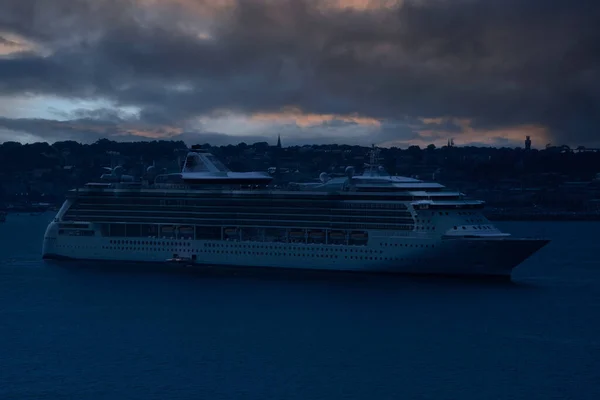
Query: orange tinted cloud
x,y
212,5
199,7
513,134
163,132
294,115
10,43
124,129
359,5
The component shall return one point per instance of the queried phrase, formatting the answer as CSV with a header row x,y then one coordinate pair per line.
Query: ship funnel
x,y
202,162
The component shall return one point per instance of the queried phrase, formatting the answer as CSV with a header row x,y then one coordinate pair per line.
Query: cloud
x,y
296,116
506,66
89,126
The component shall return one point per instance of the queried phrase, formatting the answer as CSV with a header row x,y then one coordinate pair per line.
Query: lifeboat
x,y
337,235
186,232
359,236
186,229
317,235
167,229
231,231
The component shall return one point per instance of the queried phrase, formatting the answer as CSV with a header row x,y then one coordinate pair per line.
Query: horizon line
x,y
150,140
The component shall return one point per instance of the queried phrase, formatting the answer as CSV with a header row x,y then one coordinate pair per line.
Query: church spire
x,y
278,141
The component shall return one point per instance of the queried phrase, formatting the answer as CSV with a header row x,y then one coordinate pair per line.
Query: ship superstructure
x,y
210,215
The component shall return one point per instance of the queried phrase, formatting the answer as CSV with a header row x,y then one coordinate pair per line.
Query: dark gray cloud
x,y
498,62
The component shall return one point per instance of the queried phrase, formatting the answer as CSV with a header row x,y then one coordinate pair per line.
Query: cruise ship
x,y
207,215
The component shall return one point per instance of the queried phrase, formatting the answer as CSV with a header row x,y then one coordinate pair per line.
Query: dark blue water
x,y
77,332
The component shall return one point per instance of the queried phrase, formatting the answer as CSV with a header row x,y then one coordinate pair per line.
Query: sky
x,y
384,72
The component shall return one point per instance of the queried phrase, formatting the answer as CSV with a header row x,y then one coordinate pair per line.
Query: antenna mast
x,y
373,158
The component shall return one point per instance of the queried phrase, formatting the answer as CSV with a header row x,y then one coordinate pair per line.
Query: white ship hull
x,y
495,256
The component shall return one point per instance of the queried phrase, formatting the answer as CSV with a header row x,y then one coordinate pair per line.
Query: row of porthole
x,y
261,253
305,248
336,250
230,252
181,243
386,258
146,249
267,247
282,254
149,243
258,253
425,228
251,253
406,245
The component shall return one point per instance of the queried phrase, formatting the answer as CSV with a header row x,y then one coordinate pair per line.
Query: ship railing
x,y
185,186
